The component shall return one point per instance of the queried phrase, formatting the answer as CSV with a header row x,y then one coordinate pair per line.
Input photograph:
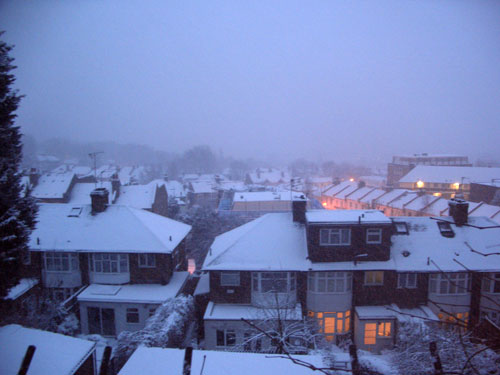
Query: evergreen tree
x,y
17,213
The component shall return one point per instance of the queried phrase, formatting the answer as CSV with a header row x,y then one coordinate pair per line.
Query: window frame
x,y
373,282
331,279
71,258
226,276
378,234
259,277
122,258
129,313
403,280
387,326
330,232
147,257
450,281
226,334
491,283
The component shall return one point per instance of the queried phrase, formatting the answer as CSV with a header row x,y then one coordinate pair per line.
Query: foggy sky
x,y
318,79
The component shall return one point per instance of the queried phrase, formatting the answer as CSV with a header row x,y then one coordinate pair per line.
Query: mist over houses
x,y
353,256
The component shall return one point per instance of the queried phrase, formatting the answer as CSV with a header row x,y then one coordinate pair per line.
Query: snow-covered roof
x,y
80,193
22,287
485,210
348,190
174,189
233,185
227,311
54,354
271,242
268,175
117,229
418,314
203,286
53,185
335,189
155,361
202,187
437,208
429,251
390,196
403,200
360,265
138,196
264,196
347,217
375,312
421,202
360,193
450,175
374,194
136,293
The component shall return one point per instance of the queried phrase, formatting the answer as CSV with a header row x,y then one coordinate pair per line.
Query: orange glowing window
x,y
329,325
310,314
370,333
340,327
319,315
347,321
384,329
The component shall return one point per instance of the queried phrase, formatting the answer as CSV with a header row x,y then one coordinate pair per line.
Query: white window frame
x,y
71,259
491,283
226,333
230,278
449,283
330,280
335,232
372,280
147,260
259,277
132,311
407,280
122,262
374,232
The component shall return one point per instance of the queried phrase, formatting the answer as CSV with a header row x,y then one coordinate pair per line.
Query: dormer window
x,y
335,237
374,236
75,212
445,229
401,228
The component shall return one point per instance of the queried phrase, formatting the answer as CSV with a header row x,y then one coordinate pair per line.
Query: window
x,y
332,323
61,294
226,337
374,235
374,278
491,283
151,312
230,278
329,282
449,283
147,260
407,280
132,315
401,228
109,263
60,262
445,229
278,282
337,236
374,330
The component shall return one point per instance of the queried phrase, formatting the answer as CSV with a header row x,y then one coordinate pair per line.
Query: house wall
x,y
109,278
160,274
318,302
410,298
370,295
451,303
120,309
266,206
318,253
230,294
70,279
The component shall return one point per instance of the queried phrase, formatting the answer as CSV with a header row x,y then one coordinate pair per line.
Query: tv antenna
x,y
93,156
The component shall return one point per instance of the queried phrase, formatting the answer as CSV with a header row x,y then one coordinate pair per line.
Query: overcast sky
x,y
326,79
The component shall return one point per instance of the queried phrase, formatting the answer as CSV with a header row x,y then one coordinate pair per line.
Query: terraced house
x,y
357,273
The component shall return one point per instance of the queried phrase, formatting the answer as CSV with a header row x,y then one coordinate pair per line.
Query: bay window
x,y
329,282
335,236
60,262
449,283
491,283
109,263
332,323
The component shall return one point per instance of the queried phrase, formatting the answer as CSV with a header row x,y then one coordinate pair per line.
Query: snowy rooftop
x,y
374,194
360,193
429,251
22,287
155,361
347,217
375,312
403,200
203,286
62,227
202,187
421,202
348,190
138,196
271,175
174,188
80,194
137,293
262,196
450,175
271,242
216,311
335,189
53,185
390,196
54,354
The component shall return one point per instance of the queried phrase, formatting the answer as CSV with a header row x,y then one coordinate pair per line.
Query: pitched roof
x,y
347,217
54,354
117,229
450,175
53,185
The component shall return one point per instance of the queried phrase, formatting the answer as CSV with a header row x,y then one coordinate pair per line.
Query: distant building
x,y
487,192
403,164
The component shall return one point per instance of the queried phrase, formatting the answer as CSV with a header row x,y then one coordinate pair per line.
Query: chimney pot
x,y
459,211
99,198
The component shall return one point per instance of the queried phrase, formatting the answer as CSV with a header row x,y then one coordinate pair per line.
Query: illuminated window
x,y
329,282
449,283
331,323
407,280
370,333
384,329
374,235
335,236
374,278
230,278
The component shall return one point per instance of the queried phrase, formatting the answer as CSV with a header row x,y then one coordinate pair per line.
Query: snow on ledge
x,y
22,287
237,312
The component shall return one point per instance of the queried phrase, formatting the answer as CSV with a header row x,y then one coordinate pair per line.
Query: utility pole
x,y
93,156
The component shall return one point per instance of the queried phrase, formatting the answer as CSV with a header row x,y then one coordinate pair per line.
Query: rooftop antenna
x,y
93,156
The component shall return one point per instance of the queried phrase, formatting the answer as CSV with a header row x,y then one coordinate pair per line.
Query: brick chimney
x,y
100,199
459,211
115,185
299,209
